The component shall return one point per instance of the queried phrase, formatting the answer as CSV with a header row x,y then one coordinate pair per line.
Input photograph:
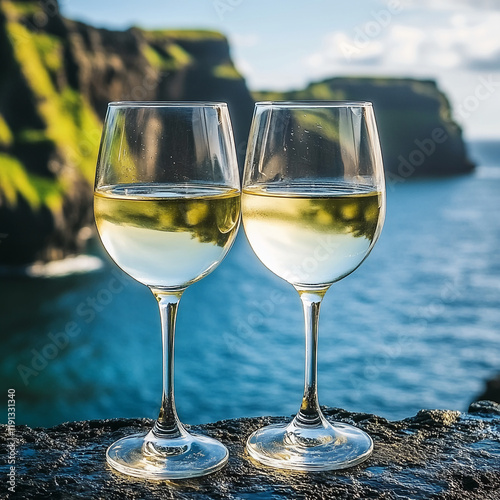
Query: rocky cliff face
x,y
56,78
417,132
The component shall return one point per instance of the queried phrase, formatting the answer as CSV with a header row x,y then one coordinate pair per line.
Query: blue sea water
x,y
416,326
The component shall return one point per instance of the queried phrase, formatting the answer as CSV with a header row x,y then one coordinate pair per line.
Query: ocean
x,y
416,326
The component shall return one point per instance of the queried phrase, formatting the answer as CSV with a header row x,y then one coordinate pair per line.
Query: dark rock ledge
x,y
435,454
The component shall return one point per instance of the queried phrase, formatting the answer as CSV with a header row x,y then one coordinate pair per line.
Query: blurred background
x,y
417,326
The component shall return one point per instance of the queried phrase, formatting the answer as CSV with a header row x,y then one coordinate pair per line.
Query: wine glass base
x,y
191,455
328,447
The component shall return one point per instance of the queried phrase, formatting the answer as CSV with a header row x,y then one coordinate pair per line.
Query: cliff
x,y
417,132
56,78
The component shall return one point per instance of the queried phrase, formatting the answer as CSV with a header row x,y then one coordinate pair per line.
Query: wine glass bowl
x,y
167,205
313,206
167,193
173,235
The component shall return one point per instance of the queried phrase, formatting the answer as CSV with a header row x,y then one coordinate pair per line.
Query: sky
x,y
285,44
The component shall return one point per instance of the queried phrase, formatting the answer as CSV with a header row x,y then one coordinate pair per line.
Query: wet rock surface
x,y
435,454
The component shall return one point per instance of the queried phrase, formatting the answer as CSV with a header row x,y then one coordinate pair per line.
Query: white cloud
x,y
459,42
452,4
246,69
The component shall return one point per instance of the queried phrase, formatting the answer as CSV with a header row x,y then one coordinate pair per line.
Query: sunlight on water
x,y
416,326
488,172
71,265
79,264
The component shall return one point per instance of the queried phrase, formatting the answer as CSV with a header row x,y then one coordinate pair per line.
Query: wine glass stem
x,y
168,424
310,414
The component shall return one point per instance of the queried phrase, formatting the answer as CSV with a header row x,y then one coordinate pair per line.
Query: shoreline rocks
x,y
435,454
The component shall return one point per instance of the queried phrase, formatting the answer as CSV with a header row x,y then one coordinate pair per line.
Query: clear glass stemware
x,y
167,207
313,206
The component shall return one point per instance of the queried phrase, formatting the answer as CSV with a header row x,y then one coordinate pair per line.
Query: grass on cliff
x,y
326,90
37,191
71,125
187,35
227,71
163,53
167,56
65,112
6,137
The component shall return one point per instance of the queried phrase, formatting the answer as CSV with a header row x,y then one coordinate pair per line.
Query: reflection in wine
x,y
166,235
287,230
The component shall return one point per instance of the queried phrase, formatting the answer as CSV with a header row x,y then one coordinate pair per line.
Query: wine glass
x,y
167,209
313,206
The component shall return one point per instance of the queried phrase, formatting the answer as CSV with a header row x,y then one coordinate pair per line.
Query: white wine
x,y
167,235
312,236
